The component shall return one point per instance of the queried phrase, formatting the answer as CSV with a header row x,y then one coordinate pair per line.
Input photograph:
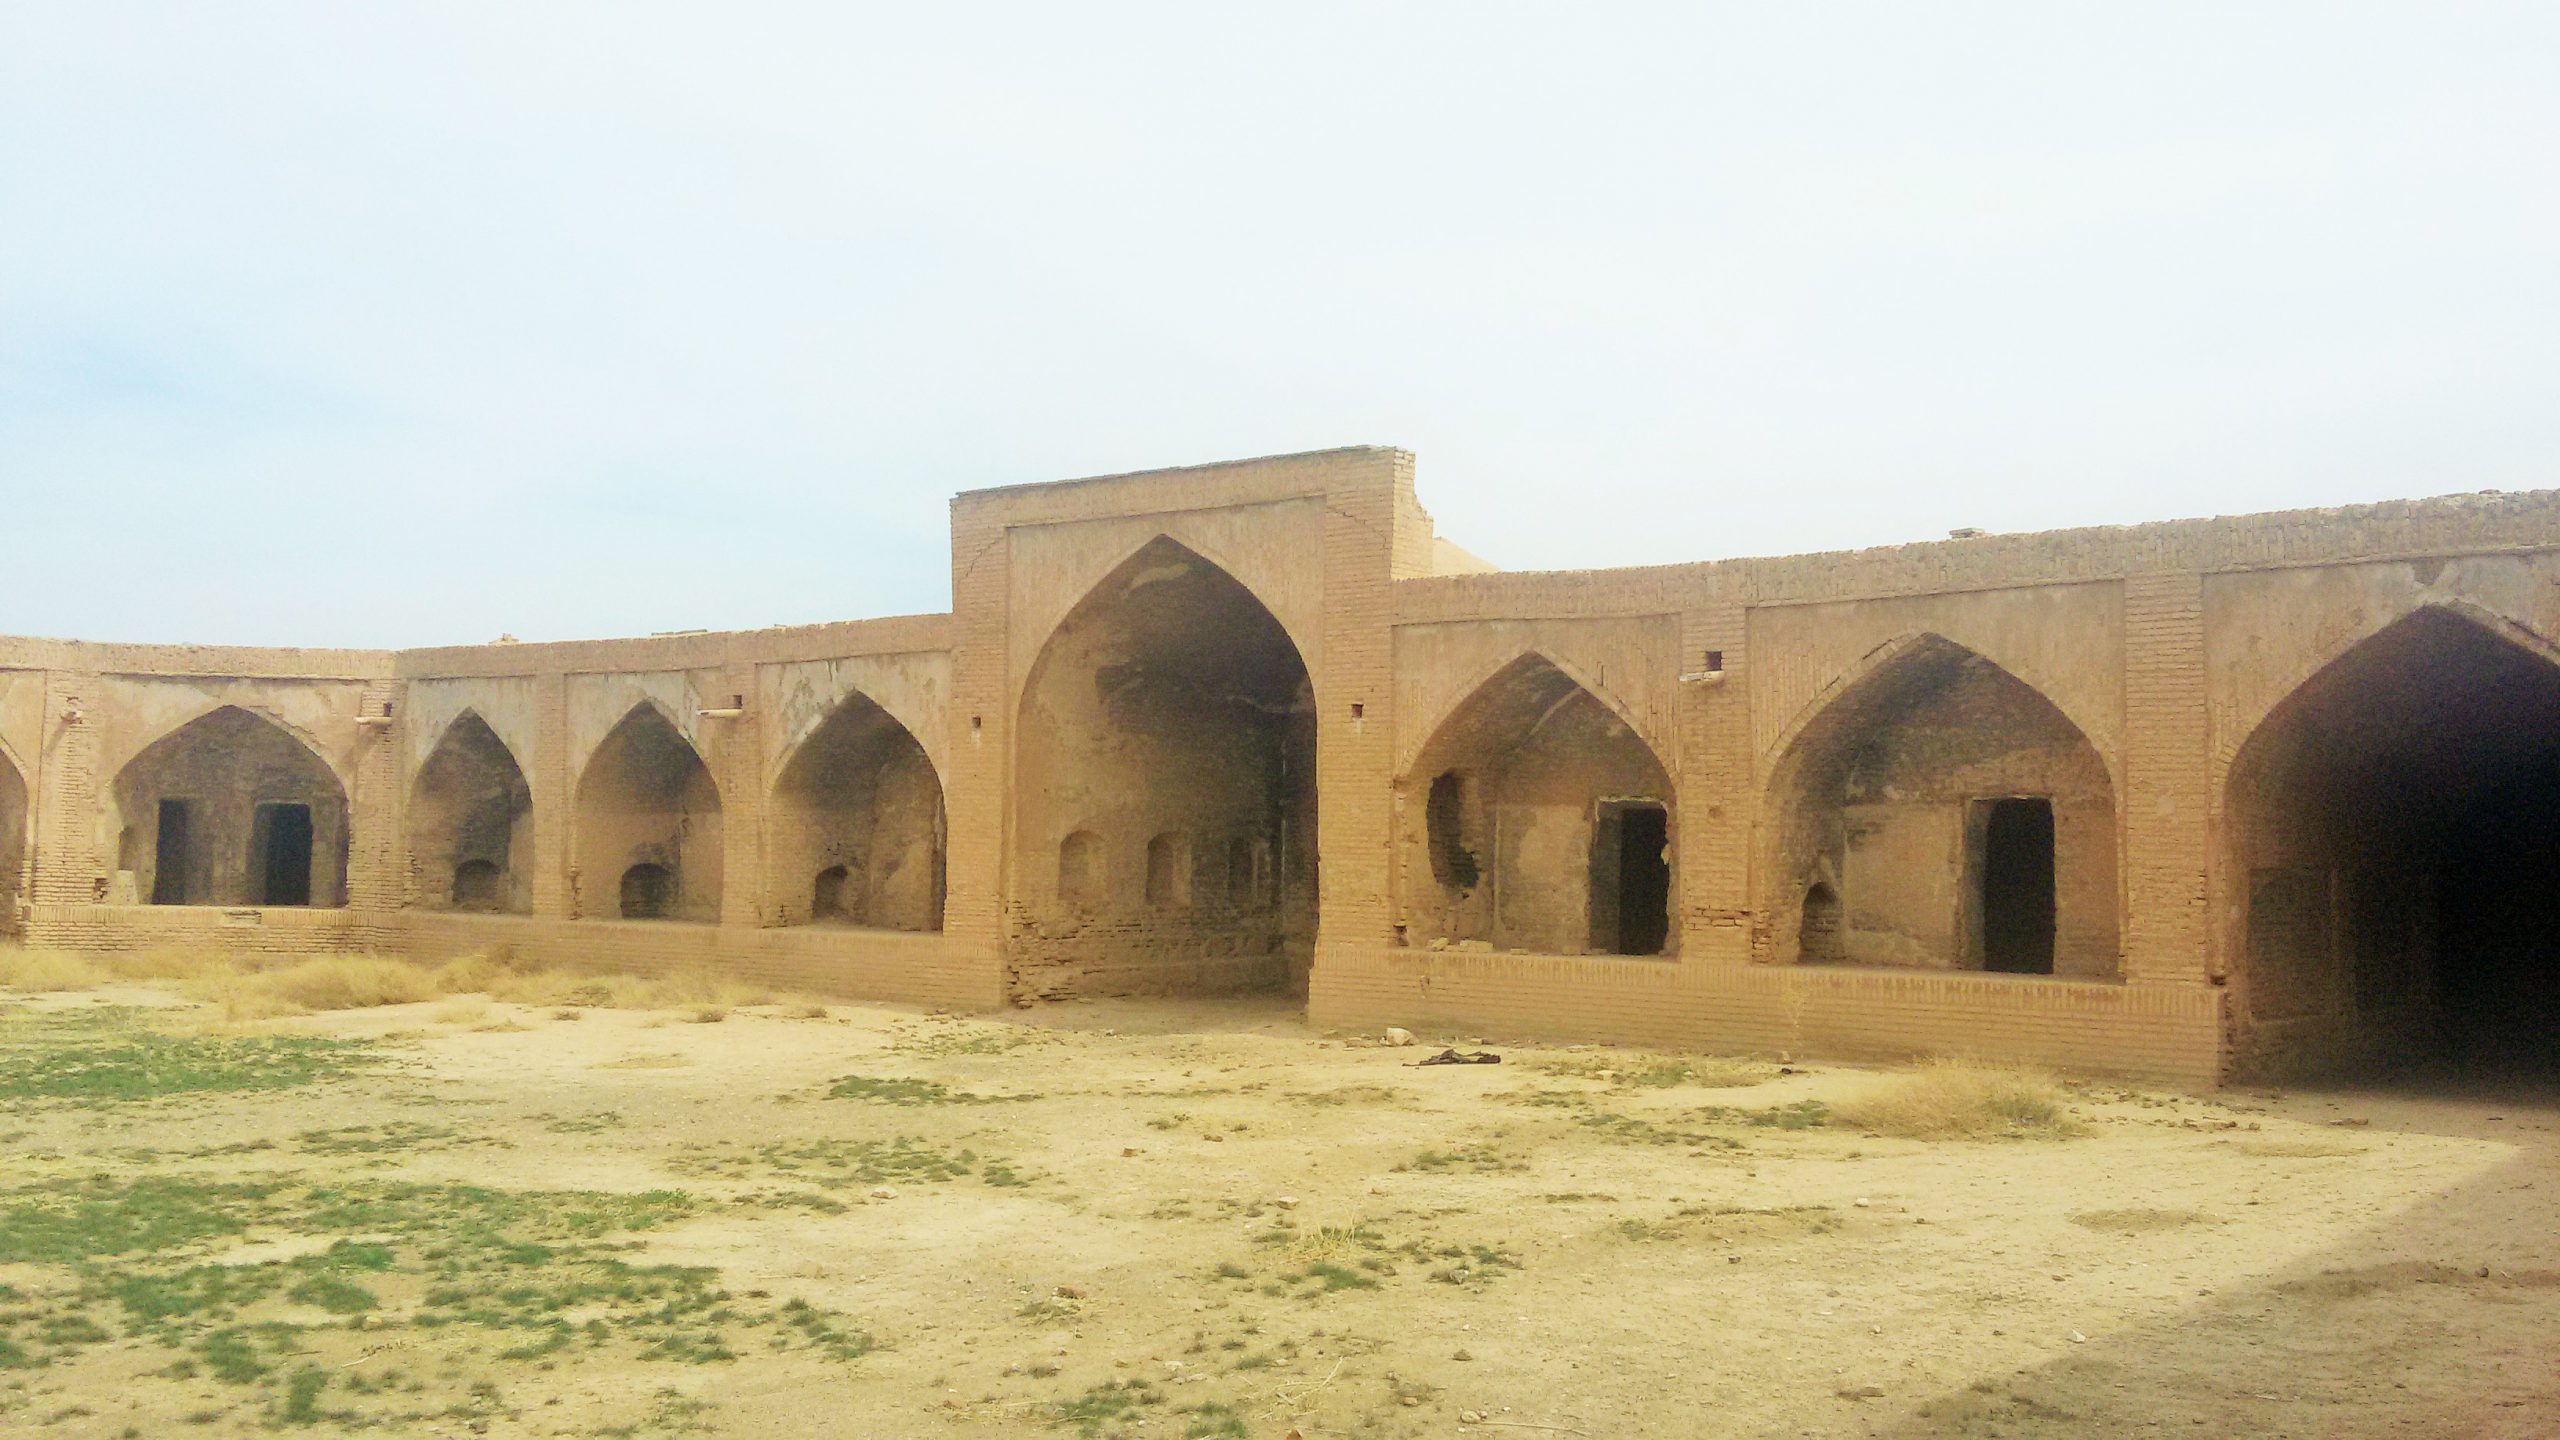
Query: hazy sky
x,y
389,325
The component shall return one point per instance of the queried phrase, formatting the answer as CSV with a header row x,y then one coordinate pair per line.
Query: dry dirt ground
x,y
1207,1220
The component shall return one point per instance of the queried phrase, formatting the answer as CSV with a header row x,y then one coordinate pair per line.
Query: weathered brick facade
x,y
1251,725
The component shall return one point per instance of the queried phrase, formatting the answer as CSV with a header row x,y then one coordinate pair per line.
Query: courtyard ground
x,y
465,1217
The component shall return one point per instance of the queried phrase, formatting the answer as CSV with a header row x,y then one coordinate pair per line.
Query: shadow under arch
x,y
2391,833
14,827
855,831
647,835
1168,701
1953,817
1536,817
471,823
232,807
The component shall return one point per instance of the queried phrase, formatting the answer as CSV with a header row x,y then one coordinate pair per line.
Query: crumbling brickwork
x,y
2249,795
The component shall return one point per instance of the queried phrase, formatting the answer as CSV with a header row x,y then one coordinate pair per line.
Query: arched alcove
x,y
471,824
2393,839
1168,701
232,809
648,841
855,831
1535,818
13,842
1955,817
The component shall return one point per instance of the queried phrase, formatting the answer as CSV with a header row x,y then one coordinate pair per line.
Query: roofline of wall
x,y
2482,522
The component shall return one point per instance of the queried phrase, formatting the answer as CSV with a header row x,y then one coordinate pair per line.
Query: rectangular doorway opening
x,y
1631,878
2016,868
280,855
169,855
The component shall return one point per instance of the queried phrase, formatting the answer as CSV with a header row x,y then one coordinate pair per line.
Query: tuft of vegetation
x,y
1961,1100
1656,1072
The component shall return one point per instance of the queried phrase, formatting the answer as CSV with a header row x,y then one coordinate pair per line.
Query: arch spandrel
x,y
1274,550
598,704
800,696
2065,642
506,704
1628,665
319,716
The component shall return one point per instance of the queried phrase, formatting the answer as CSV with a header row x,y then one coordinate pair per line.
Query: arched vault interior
x,y
13,842
1168,718
471,824
231,809
1940,813
2394,827
1535,819
855,833
648,838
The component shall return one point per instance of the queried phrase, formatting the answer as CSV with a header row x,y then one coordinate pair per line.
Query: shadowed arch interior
x,y
13,842
471,824
856,828
232,809
647,804
1949,817
2394,836
1536,819
1169,701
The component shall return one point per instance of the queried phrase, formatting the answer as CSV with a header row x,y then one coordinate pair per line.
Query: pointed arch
x,y
1256,569
1536,817
2492,622
1916,793
647,823
1168,698
1431,726
232,808
855,830
471,823
2392,846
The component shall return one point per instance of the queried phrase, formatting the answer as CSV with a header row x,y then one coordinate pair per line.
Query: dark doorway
x,y
648,892
2017,887
280,851
169,856
1631,878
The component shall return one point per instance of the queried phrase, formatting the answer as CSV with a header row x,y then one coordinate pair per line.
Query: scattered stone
x,y
883,1192
1462,1355
1397,1035
1860,1392
1286,1202
1470,1417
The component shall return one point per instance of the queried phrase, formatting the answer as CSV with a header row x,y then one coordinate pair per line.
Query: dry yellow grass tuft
x,y
1955,1099
50,970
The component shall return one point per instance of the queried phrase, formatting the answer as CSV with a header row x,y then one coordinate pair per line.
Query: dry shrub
x,y
172,962
470,1010
807,1010
706,1015
351,982
49,970
1956,1099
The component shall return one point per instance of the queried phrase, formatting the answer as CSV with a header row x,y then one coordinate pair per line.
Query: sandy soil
x,y
1527,1253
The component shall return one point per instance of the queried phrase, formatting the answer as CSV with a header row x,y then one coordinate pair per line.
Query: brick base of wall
x,y
2169,1033
890,965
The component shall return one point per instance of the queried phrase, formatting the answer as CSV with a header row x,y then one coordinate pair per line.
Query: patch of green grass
x,y
1638,1130
1652,1072
338,1297
899,1091
1213,1420
1099,1410
834,1164
398,1135
60,1221
1798,1115
302,1396
1480,1157
105,1057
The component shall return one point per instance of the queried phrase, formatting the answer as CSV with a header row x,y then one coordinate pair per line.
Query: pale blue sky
x,y
409,324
